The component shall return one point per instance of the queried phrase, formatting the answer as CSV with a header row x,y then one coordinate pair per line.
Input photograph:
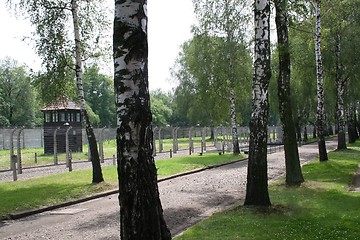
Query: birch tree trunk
x,y
235,140
95,159
141,214
340,82
257,179
293,169
320,114
230,42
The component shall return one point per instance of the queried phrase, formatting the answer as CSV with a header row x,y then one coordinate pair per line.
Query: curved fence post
x,y
56,162
216,133
177,138
160,141
191,143
19,151
67,146
101,144
176,148
203,137
173,139
12,160
12,156
154,142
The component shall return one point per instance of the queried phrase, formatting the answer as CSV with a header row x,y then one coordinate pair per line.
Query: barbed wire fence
x,y
22,145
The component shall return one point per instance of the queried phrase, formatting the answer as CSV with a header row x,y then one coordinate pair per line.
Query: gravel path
x,y
186,200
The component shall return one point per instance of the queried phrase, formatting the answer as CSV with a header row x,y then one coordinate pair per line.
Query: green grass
x,y
322,208
182,164
43,191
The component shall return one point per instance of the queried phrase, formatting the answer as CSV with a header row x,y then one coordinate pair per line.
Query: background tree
x,y
18,99
320,113
141,214
292,161
51,19
99,93
257,180
226,20
338,24
200,70
161,108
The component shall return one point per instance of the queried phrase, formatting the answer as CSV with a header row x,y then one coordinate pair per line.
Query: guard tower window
x,y
47,117
78,117
62,117
55,117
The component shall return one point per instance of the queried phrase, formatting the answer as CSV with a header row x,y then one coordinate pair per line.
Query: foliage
x,y
19,105
54,40
202,94
343,20
99,94
161,108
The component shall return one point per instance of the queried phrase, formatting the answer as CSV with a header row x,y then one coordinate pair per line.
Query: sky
x,y
169,24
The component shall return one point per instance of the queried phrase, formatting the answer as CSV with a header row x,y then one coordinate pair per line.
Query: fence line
x,y
165,140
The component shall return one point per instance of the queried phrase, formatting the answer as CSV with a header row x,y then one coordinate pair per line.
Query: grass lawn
x,y
322,208
28,154
29,194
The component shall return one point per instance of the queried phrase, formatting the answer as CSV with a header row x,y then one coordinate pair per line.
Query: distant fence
x,y
34,138
167,140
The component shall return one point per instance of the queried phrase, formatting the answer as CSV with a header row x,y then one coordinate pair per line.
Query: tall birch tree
x,y
141,214
94,152
320,113
226,19
292,161
257,179
340,83
54,20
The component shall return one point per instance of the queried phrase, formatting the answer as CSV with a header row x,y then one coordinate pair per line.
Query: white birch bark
x,y
340,82
320,114
141,215
95,159
257,186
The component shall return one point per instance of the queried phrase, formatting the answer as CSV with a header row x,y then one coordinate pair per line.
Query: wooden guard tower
x,y
58,117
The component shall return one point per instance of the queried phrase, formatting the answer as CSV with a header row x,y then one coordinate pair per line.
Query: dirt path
x,y
186,200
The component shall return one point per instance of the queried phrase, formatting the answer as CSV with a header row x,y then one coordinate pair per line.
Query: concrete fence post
x,y
67,146
191,143
56,161
12,148
101,144
19,162
160,141
154,142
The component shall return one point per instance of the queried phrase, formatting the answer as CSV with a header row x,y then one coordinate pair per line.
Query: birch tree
x,y
95,159
292,161
340,23
257,179
59,52
340,82
226,19
141,214
320,113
